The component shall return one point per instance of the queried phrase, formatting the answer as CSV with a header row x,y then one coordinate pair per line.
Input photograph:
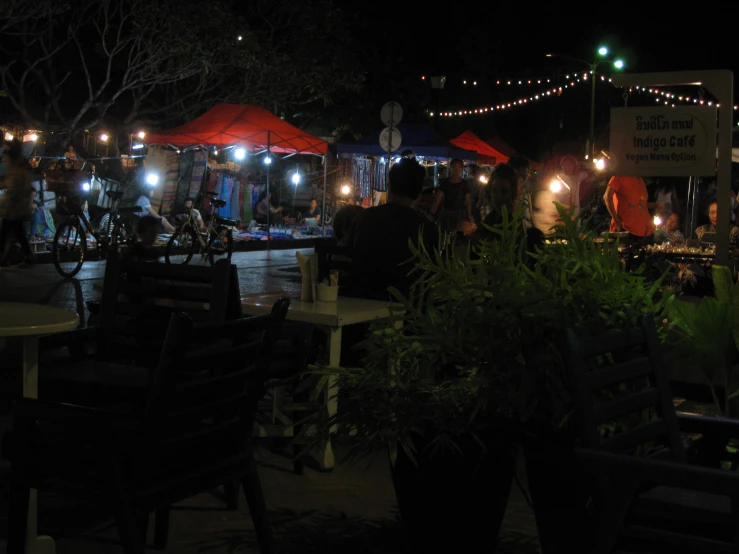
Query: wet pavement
x,y
350,510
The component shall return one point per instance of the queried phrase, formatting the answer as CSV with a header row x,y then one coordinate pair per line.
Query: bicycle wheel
x,y
181,246
68,250
220,245
122,236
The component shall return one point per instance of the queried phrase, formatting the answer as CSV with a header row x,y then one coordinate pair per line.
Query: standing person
x,y
628,203
15,203
666,198
522,166
454,198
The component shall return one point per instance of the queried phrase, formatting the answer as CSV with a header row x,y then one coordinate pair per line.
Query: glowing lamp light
x,y
619,64
296,178
33,137
9,136
483,180
267,160
138,146
104,137
555,185
86,187
141,135
152,179
600,164
603,51
240,37
240,154
215,152
345,190
657,220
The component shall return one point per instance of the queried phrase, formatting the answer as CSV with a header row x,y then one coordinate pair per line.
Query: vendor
x,y
196,216
707,233
144,203
672,229
314,212
265,211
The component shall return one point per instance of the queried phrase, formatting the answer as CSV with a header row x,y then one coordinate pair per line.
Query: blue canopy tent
x,y
421,138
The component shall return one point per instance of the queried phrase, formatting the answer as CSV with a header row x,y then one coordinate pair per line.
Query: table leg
x,y
34,543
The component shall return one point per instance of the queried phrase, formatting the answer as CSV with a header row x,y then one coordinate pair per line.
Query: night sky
x,y
486,43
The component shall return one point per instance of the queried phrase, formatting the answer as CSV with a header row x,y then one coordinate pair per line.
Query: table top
x,y
345,311
23,320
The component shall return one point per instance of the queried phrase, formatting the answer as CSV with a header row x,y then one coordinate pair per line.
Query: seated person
x,y
344,222
707,233
380,237
265,213
147,230
42,224
195,215
670,232
145,204
314,212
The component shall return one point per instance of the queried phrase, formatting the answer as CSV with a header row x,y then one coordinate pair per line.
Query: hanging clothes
x,y
213,181
200,162
380,174
363,175
237,197
227,184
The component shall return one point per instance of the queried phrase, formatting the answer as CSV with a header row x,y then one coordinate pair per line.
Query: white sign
x,y
664,141
390,142
391,114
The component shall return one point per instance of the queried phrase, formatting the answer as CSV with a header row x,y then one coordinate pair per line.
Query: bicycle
x,y
213,244
70,242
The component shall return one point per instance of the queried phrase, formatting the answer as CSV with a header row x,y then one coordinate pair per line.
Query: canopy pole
x,y
323,209
269,202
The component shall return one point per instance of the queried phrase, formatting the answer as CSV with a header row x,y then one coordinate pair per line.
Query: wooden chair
x,y
631,444
192,435
332,257
138,300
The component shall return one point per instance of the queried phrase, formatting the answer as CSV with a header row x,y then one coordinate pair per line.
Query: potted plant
x,y
475,373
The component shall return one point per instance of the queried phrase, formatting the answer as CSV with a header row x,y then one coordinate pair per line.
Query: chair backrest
x,y
332,257
205,390
621,393
139,298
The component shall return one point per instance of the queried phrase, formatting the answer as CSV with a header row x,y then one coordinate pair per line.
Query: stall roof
x,y
486,154
420,138
241,124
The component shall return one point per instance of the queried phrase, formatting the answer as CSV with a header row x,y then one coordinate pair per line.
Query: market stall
x,y
362,164
245,130
486,154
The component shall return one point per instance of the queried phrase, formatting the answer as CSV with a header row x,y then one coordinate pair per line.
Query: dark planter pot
x,y
560,492
454,502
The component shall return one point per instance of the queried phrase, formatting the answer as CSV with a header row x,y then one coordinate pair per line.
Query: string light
x,y
507,105
672,97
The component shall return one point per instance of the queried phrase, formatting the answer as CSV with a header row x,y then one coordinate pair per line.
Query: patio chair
x,y
192,434
648,498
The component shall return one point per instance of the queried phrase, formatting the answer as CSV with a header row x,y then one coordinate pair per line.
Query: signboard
x,y
390,139
664,141
391,113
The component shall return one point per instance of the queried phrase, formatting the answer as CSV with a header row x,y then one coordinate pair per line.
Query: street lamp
x,y
618,64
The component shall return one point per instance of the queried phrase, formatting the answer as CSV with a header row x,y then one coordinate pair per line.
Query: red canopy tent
x,y
243,125
248,126
487,155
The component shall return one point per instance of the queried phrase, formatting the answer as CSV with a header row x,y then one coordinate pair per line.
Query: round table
x,y
31,321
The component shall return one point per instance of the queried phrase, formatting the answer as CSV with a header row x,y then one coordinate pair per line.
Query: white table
x,y
31,321
330,317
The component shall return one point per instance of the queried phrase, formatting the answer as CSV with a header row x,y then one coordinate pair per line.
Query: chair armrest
x,y
655,472
709,426
59,412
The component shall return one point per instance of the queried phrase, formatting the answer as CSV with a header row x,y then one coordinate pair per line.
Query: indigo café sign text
x,y
664,141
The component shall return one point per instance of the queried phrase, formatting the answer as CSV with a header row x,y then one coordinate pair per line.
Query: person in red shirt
x,y
628,203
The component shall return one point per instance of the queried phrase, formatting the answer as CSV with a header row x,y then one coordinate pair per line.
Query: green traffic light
x,y
603,51
618,64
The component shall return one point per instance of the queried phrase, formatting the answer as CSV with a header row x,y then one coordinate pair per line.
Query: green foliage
x,y
707,337
479,348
